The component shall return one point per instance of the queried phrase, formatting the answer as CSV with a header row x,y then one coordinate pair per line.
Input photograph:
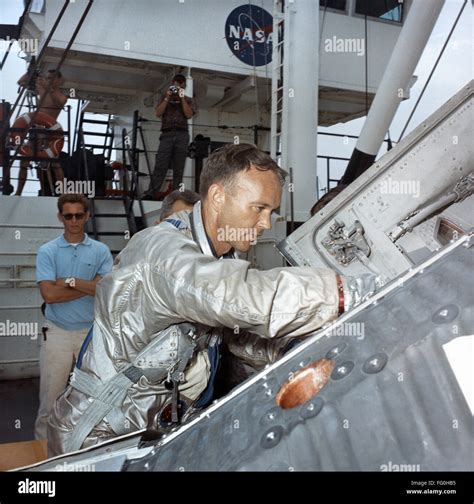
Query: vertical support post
x,y
300,102
407,52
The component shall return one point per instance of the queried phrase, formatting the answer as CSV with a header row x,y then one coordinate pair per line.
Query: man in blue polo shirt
x,y
67,271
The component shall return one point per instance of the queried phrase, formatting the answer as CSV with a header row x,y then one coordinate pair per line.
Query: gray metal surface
x,y
109,456
411,412
25,225
420,170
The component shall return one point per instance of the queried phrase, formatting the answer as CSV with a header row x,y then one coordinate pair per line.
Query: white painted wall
x,y
191,33
187,33
346,70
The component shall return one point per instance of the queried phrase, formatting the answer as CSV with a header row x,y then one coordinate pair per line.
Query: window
x,y
388,10
333,4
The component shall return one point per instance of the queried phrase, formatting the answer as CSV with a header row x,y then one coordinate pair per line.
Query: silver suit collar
x,y
199,231
199,234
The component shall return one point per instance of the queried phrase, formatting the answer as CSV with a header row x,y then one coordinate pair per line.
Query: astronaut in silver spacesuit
x,y
176,290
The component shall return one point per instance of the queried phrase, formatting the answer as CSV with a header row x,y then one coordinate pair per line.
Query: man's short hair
x,y
225,163
72,198
180,78
326,198
188,197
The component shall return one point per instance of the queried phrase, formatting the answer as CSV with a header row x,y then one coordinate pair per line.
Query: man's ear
x,y
60,219
216,196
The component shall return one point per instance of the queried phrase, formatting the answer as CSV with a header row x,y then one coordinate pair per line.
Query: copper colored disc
x,y
305,384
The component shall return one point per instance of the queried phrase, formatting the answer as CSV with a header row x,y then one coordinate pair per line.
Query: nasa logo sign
x,y
248,31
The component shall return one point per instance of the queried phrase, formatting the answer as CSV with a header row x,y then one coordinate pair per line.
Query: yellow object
x,y
13,455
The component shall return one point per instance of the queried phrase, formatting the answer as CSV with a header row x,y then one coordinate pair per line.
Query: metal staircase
x,y
106,134
113,218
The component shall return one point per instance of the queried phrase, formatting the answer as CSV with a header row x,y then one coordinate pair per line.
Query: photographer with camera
x,y
175,109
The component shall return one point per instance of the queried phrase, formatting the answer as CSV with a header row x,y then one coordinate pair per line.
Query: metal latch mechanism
x,y
346,245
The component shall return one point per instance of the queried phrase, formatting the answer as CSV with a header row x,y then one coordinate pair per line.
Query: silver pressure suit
x,y
168,275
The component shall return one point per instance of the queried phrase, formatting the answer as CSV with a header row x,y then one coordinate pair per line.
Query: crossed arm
x,y
59,292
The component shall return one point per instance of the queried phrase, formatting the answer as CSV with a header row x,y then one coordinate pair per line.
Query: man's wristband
x,y
340,291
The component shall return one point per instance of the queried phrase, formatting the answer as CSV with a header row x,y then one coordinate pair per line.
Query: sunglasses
x,y
78,216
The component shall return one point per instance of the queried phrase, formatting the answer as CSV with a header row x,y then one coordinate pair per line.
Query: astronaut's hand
x,y
359,289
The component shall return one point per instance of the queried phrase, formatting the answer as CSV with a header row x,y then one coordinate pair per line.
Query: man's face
x,y
74,218
53,80
247,208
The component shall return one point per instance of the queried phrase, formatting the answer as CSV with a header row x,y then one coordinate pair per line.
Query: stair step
x,y
94,121
96,133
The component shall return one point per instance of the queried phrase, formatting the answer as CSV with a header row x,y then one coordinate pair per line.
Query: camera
x,y
174,89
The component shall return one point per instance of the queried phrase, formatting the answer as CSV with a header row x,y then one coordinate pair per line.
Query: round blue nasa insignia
x,y
248,31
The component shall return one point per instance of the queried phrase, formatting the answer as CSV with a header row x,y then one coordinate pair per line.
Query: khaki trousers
x,y
58,354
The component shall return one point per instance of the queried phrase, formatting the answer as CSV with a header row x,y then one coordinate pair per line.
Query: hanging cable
x,y
433,70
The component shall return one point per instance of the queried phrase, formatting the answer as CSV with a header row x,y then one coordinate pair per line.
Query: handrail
x,y
145,151
86,171
77,123
135,187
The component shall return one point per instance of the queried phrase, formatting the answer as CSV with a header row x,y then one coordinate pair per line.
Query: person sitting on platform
x,y
52,101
